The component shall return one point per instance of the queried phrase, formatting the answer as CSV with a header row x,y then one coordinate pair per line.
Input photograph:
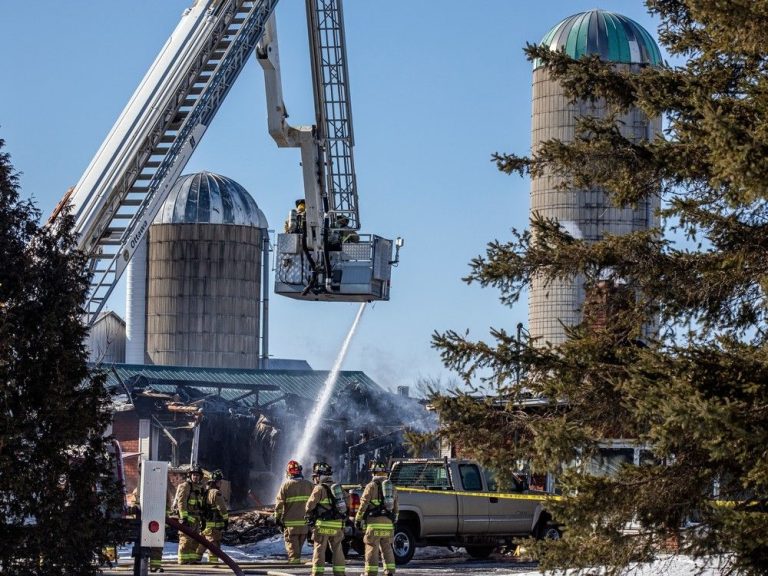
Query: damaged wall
x,y
250,422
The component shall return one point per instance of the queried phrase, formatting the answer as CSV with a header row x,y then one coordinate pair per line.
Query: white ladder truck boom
x,y
325,259
129,178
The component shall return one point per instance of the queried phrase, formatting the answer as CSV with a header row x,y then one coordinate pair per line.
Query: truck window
x,y
516,482
470,477
429,475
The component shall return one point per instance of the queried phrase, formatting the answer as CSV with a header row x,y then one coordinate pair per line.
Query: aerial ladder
x,y
326,259
131,175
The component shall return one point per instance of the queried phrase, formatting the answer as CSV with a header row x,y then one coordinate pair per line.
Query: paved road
x,y
496,566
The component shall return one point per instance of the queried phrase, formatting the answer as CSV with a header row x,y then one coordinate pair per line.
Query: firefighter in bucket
x,y
377,515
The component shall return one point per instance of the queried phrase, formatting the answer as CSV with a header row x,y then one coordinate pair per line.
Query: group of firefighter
x,y
300,506
320,506
200,506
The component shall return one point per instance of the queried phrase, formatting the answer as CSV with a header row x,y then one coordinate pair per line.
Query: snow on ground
x,y
273,549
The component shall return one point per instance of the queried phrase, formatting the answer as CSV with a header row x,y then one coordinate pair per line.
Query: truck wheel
x,y
479,552
404,545
548,532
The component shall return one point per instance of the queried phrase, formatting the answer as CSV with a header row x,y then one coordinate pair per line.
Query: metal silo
x,y
586,214
204,267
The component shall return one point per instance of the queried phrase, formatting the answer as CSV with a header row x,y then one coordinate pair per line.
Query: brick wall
x,y
125,428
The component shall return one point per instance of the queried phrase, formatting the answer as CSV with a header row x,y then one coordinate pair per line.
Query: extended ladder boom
x,y
325,259
330,80
127,181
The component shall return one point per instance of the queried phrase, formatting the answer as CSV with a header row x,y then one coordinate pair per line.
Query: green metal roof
x,y
615,38
232,384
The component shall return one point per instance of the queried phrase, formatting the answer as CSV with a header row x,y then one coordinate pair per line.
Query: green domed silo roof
x,y
615,38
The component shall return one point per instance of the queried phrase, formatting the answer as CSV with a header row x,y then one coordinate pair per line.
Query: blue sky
x,y
436,86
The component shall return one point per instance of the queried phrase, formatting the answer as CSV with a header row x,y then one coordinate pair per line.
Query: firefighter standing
x,y
297,218
377,514
323,510
189,502
290,506
215,514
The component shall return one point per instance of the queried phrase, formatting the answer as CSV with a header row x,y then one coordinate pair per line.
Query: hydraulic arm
x,y
325,258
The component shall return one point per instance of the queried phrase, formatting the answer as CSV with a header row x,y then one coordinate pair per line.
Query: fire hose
x,y
196,536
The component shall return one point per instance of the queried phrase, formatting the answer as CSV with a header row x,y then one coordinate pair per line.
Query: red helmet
x,y
294,468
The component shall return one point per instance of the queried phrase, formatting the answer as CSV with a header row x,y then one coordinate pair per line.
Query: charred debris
x,y
247,423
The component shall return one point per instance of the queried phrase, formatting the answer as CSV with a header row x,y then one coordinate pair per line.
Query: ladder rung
x,y
128,202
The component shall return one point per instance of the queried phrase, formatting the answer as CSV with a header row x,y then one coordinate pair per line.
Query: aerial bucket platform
x,y
356,272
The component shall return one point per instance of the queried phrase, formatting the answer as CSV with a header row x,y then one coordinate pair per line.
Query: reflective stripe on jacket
x,y
373,499
291,502
216,512
321,499
189,500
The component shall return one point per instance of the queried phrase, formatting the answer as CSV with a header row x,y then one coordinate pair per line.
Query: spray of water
x,y
310,431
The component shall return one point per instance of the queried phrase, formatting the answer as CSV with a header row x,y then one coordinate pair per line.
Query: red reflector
x,y
154,526
354,503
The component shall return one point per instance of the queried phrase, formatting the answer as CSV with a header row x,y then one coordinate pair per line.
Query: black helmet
x,y
195,470
322,469
217,475
299,202
377,467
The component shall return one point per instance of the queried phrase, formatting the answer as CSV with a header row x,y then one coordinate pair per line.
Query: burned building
x,y
248,422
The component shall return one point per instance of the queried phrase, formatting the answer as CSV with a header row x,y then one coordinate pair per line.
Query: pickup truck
x,y
458,503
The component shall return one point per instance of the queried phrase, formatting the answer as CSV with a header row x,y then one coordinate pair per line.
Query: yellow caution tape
x,y
545,497
500,495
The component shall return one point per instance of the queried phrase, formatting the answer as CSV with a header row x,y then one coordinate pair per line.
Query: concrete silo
x,y
586,214
203,292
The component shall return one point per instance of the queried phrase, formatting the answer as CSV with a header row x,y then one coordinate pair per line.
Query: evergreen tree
x,y
57,492
696,393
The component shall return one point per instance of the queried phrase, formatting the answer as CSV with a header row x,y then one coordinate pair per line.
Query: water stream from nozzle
x,y
310,431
